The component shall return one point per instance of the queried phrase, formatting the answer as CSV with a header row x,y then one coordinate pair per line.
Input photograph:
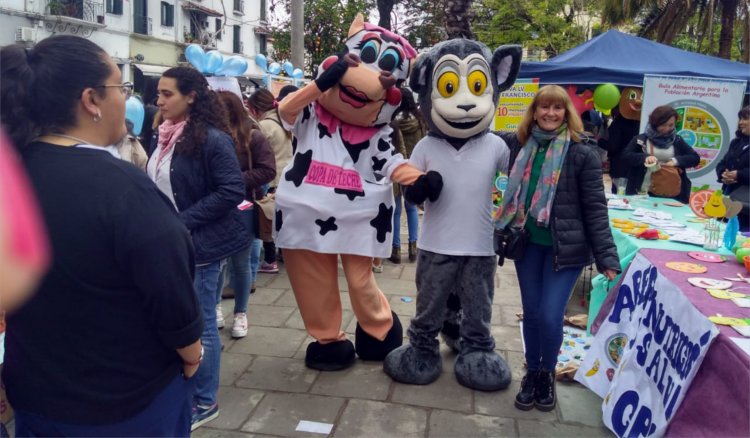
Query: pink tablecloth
x,y
717,403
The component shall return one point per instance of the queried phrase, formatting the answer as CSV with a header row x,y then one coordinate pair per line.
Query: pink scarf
x,y
349,133
169,133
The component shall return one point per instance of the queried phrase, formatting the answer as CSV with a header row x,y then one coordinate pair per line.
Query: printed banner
x,y
707,116
225,83
646,353
513,103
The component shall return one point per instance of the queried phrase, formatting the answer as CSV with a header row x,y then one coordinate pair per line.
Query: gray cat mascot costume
x,y
458,82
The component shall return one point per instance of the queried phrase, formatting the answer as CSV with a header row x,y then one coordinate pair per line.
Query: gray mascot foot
x,y
407,364
482,370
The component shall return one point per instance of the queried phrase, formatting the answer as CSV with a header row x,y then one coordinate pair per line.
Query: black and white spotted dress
x,y
335,196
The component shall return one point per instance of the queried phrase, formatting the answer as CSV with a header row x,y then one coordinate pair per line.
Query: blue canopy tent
x,y
621,59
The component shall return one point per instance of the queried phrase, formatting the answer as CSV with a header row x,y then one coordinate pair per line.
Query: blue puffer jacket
x,y
207,188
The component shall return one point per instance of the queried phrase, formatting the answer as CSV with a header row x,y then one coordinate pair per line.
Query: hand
x,y
729,177
610,274
650,161
333,74
189,370
427,186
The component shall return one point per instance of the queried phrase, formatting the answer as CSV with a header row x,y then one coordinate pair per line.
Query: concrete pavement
x,y
266,390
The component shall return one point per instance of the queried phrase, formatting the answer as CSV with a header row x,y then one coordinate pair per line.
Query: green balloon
x,y
606,96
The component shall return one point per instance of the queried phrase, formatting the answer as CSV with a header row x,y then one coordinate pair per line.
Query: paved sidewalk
x,y
266,390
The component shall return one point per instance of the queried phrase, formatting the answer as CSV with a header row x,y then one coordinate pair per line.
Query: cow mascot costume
x,y
458,82
335,197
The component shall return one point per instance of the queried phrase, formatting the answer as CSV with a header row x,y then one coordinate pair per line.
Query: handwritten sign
x,y
646,353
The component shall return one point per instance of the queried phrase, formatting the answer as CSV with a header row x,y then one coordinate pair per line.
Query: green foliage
x,y
326,26
546,28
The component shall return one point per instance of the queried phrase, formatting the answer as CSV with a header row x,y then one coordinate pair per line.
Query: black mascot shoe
x,y
369,348
525,397
545,398
330,357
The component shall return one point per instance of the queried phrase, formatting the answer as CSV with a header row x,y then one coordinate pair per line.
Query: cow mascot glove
x,y
335,196
458,82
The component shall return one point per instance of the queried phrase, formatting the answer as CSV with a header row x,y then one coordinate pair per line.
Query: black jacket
x,y
737,158
633,156
621,131
579,221
207,189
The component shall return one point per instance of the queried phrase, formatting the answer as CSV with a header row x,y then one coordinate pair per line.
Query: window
x,y
167,14
114,7
239,5
236,44
263,10
262,44
218,28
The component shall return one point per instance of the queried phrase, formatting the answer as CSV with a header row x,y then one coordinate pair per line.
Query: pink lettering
x,y
328,175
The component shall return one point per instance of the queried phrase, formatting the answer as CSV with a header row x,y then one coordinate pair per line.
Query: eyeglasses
x,y
126,88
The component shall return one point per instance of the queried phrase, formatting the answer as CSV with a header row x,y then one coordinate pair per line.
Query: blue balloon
x,y
234,66
297,73
214,60
196,57
274,68
288,68
135,112
261,61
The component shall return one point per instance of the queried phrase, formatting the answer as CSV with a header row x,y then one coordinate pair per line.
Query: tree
x,y
385,8
458,16
326,26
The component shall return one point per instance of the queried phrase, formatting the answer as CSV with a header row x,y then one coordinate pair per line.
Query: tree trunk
x,y
726,37
458,16
385,7
746,37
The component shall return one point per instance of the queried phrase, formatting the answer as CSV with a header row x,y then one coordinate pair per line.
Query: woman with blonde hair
x,y
555,200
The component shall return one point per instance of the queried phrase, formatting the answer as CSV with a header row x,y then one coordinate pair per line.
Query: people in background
x,y
657,160
105,345
552,176
195,165
733,171
258,167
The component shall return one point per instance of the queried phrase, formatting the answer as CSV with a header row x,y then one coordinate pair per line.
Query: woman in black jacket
x,y
195,165
555,192
656,150
733,171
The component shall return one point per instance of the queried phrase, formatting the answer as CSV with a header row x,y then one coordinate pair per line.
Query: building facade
x,y
145,37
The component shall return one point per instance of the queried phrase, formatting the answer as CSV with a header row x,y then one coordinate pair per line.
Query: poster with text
x,y
646,353
707,116
513,103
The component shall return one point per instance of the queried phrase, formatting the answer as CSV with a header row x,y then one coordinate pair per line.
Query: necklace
x,y
69,137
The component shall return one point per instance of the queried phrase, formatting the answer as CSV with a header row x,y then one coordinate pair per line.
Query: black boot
x,y
395,257
525,397
369,348
330,357
413,251
545,397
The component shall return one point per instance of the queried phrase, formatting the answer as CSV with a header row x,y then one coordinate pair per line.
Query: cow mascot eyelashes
x,y
458,82
335,197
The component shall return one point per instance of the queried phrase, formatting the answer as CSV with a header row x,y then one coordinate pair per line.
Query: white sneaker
x,y
239,326
219,317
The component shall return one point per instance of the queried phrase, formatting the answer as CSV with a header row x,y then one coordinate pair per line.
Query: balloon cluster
x,y
275,68
213,62
135,112
606,97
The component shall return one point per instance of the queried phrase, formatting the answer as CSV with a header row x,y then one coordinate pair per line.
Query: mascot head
x,y
630,103
369,94
459,82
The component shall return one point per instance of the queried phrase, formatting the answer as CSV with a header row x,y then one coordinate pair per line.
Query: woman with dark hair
x,y
195,166
733,171
555,196
115,313
258,167
412,128
262,106
658,158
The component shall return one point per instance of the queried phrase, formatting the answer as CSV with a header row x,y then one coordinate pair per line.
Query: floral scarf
x,y
511,212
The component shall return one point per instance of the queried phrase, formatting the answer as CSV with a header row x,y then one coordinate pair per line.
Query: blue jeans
x,y
255,259
544,294
207,378
412,220
168,414
241,279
